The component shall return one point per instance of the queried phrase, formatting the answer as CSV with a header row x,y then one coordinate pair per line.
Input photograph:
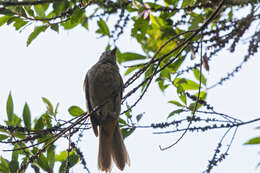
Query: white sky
x,y
54,66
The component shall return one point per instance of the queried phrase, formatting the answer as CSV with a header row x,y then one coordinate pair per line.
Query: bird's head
x,y
108,56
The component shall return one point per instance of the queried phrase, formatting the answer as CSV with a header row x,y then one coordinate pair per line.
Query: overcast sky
x,y
54,66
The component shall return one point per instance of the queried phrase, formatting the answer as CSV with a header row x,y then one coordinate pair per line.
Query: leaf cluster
x,y
26,137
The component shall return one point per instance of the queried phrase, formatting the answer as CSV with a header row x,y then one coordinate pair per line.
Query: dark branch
x,y
26,3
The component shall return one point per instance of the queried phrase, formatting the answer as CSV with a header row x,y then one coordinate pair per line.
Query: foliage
x,y
24,130
169,31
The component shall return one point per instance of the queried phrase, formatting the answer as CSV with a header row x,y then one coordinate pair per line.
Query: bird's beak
x,y
114,51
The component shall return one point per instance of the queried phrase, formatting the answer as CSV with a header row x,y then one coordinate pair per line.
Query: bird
x,y
103,86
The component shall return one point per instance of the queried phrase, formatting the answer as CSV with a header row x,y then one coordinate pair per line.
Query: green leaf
x,y
192,106
129,56
147,74
255,140
139,117
186,84
165,74
11,20
29,10
48,105
14,165
56,109
16,121
76,16
73,159
186,3
5,11
230,15
173,2
61,157
155,21
128,113
162,86
178,111
196,73
139,31
27,116
149,71
103,28
35,150
3,137
46,119
127,131
59,6
4,19
55,27
108,47
4,165
51,156
181,94
19,135
40,9
130,70
15,154
85,23
45,139
39,124
43,163
10,108
176,103
69,24
203,95
35,33
62,167
175,66
121,121
19,23
75,111
196,19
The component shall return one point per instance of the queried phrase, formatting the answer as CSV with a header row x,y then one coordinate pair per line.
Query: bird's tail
x,y
119,152
105,148
111,145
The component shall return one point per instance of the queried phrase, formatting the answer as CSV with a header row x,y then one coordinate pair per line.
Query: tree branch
x,y
26,3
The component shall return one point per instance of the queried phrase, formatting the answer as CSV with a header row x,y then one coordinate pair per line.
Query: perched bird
x,y
103,87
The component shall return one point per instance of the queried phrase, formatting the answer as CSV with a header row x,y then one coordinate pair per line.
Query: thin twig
x,y
212,127
203,26
26,3
194,109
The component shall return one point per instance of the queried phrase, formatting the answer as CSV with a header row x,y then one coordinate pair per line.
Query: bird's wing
x,y
122,88
93,119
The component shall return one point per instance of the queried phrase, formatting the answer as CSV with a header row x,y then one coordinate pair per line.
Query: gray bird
x,y
103,85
